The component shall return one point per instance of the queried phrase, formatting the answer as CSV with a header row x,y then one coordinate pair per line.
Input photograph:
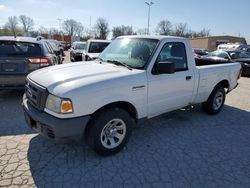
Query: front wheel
x,y
215,102
109,131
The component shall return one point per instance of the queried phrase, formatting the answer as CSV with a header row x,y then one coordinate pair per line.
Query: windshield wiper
x,y
100,60
120,63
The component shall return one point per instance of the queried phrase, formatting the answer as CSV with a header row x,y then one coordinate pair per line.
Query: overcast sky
x,y
220,16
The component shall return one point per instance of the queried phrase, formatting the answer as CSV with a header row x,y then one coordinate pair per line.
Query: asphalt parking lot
x,y
186,148
67,57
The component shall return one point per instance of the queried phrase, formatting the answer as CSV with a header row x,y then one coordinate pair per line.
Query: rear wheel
x,y
86,58
215,102
109,131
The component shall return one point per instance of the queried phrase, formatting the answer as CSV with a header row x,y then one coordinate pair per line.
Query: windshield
x,y
80,46
97,47
134,52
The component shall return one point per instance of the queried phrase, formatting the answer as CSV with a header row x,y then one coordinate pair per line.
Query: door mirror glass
x,y
165,67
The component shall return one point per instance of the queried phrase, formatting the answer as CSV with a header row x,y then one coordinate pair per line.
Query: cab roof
x,y
157,37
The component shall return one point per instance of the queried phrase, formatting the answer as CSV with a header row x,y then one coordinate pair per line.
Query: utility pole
x,y
149,4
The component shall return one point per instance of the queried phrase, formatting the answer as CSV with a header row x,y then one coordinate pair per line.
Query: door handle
x,y
188,77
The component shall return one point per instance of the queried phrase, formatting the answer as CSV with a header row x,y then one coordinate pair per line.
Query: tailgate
x,y
14,63
10,66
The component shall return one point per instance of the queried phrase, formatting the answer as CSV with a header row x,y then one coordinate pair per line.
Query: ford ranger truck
x,y
134,78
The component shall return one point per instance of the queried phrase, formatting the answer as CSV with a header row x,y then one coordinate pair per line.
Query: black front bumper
x,y
54,128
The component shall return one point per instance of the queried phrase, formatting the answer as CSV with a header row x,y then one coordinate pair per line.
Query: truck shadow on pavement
x,y
186,148
12,120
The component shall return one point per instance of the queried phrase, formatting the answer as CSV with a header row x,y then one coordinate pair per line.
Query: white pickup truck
x,y
94,48
135,78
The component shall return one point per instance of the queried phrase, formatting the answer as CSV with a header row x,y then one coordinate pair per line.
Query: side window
x,y
174,52
49,48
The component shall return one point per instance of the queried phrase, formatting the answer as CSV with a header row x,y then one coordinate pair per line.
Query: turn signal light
x,y
66,107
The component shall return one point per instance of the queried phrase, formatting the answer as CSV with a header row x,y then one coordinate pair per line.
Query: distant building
x,y
66,38
212,42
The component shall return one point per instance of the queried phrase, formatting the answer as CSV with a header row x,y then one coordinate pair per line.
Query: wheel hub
x,y
218,101
113,133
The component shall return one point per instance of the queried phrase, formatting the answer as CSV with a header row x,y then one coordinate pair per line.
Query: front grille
x,y
36,94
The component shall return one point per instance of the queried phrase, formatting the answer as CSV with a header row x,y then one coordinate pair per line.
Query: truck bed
x,y
210,75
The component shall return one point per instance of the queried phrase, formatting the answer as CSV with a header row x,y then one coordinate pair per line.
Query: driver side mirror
x,y
165,67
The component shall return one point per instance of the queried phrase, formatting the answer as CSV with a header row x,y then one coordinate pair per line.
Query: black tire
x,y
99,123
211,106
71,58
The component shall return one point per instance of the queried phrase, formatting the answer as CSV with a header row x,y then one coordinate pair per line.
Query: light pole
x,y
149,5
60,25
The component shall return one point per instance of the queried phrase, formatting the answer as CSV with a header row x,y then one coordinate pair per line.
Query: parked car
x,y
205,60
77,51
20,56
246,50
200,52
232,46
57,49
66,45
94,48
135,78
233,56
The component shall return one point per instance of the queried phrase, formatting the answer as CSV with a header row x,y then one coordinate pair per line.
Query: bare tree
x,y
79,29
70,27
43,30
204,33
27,23
53,31
164,27
122,30
12,25
142,31
102,28
180,29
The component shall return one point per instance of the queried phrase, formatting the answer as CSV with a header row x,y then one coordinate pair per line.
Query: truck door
x,y
167,92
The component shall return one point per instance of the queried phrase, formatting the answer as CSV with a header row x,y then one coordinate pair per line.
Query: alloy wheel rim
x,y
113,133
218,100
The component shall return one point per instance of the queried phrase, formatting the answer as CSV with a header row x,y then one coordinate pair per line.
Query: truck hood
x,y
62,78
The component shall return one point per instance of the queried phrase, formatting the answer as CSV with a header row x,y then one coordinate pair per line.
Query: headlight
x,y
59,105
